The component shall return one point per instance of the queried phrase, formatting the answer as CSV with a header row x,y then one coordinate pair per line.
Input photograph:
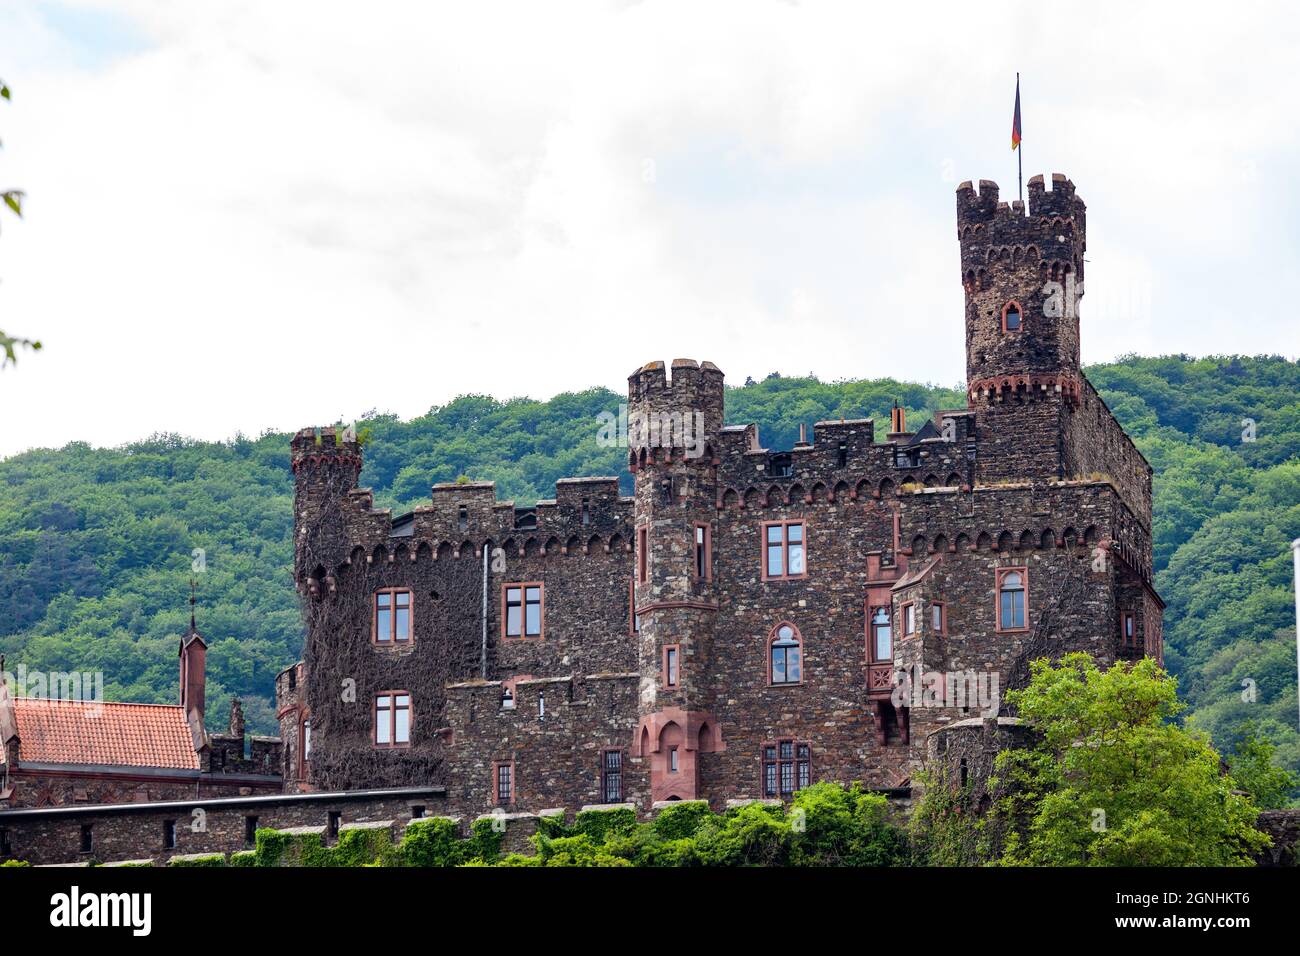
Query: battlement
x,y
688,376
983,220
323,446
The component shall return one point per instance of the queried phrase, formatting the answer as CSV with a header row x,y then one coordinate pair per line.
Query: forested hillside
x,y
96,544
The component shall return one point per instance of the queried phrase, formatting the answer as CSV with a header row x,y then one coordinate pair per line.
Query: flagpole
x,y
1020,152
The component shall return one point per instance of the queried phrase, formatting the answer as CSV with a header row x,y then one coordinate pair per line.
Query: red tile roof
x,y
91,732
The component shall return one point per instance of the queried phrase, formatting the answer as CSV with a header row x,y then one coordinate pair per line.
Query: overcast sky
x,y
244,216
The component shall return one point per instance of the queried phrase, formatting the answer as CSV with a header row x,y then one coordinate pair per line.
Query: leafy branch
x,y
13,198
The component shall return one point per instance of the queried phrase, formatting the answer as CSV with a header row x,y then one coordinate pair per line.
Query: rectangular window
x,y
634,619
642,554
505,783
87,838
169,834
250,831
332,821
392,616
1129,629
671,652
703,552
787,767
393,719
909,619
936,617
783,550
611,776
881,636
522,613
672,759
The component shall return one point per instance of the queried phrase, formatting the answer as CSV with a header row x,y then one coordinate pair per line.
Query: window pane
x,y
778,665
792,665
787,778
534,619
513,616
383,600
383,625
402,732
787,750
796,558
1018,608
936,616
774,560
774,534
403,621
884,643
769,780
403,598
383,728
794,533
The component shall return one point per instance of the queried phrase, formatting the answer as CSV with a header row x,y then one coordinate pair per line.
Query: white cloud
x,y
258,215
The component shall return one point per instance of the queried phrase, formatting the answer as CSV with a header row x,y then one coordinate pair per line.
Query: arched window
x,y
882,635
1011,599
785,656
1011,317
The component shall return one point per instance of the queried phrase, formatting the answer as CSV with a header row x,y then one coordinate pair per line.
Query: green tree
x,y
1269,786
1112,780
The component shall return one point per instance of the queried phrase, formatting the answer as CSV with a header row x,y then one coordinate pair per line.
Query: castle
x,y
748,622
737,627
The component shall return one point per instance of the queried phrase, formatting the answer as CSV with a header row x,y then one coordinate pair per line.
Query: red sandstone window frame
x,y
304,744
939,617
522,587
799,763
393,743
392,640
999,575
1019,310
784,546
607,772
1128,629
633,624
642,554
772,637
873,657
670,671
907,613
702,552
509,767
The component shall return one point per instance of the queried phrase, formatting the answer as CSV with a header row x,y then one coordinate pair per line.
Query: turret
x,y
1023,278
326,465
673,430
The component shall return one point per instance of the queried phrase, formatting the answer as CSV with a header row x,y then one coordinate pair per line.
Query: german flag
x,y
1015,120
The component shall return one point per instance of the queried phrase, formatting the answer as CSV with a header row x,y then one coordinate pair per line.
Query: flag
x,y
1015,120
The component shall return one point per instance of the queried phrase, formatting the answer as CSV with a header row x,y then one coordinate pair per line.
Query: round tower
x,y
1023,278
1022,273
673,428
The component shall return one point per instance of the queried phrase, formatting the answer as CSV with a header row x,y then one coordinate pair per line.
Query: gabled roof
x,y
916,573
104,734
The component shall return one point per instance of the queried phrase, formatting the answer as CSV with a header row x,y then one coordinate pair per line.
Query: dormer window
x,y
1011,317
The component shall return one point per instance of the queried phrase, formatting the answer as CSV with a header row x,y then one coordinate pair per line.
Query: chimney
x,y
193,656
897,420
236,718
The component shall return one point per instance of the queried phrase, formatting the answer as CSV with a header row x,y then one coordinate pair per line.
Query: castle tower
x,y
325,469
1022,273
673,427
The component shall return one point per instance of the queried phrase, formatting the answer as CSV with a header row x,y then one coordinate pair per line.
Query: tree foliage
x,y
1111,779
